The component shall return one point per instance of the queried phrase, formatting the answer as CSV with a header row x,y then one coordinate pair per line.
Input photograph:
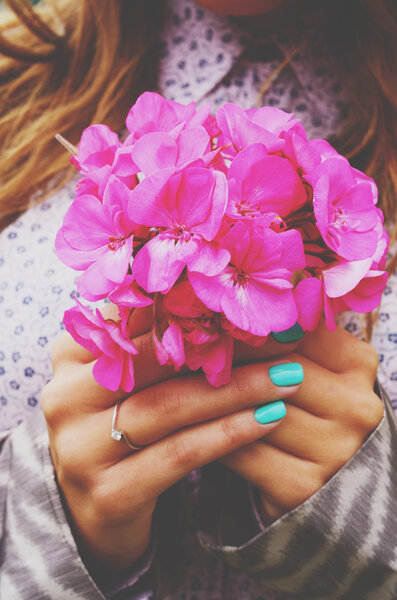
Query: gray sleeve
x,y
39,559
341,544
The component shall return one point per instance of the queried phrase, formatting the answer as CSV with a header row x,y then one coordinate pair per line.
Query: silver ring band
x,y
118,434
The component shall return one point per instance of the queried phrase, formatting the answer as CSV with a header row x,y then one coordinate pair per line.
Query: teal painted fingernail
x,y
270,412
286,374
293,334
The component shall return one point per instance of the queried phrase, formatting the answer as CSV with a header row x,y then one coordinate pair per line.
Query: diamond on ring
x,y
118,434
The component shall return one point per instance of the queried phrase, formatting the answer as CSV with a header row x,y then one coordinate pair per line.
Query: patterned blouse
x,y
204,57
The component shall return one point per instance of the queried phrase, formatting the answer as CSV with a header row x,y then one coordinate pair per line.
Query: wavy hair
x,y
65,65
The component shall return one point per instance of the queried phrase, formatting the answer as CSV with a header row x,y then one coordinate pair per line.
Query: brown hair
x,y
365,40
62,69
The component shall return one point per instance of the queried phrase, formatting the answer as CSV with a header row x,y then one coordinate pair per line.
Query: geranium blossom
x,y
97,237
260,183
187,332
153,113
232,226
345,211
97,159
188,208
265,125
156,151
254,291
108,341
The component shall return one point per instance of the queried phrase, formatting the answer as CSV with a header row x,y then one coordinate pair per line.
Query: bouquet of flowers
x,y
232,226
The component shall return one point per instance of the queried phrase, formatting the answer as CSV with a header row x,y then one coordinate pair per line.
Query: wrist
x,y
110,542
114,548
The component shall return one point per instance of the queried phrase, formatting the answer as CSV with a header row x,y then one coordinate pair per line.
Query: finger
x,y
339,351
76,383
277,344
284,479
162,464
172,405
147,370
310,438
322,392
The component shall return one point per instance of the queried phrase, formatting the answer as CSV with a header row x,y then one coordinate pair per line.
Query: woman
x,y
314,519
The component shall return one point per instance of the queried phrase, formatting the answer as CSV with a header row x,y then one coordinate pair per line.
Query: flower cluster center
x,y
116,242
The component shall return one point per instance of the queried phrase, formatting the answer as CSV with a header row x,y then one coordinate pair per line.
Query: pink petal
x,y
215,359
309,298
151,112
210,289
76,259
367,295
158,264
193,143
108,372
128,294
95,141
155,151
148,201
87,225
183,302
343,277
258,308
92,285
208,258
172,343
127,378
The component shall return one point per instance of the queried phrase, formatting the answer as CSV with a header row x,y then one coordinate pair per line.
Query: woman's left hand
x,y
327,421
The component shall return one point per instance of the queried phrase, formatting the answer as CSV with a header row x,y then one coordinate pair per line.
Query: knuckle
x,y
370,411
104,498
366,359
231,430
346,448
241,382
302,488
163,405
58,350
70,465
49,401
181,452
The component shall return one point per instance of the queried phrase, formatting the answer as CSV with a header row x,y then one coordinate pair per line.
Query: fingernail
x,y
270,412
286,374
293,334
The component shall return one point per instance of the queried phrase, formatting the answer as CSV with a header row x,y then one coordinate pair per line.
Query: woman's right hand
x,y
110,491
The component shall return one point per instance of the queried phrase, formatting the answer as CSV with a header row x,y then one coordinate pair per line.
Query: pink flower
x,y
303,155
365,297
345,211
96,157
153,113
351,285
187,208
254,290
187,332
156,151
108,341
266,126
260,183
97,237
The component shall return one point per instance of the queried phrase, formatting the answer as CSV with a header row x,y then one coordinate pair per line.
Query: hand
x,y
109,491
328,419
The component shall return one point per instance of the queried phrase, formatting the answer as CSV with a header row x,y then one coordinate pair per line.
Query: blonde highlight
x,y
92,72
